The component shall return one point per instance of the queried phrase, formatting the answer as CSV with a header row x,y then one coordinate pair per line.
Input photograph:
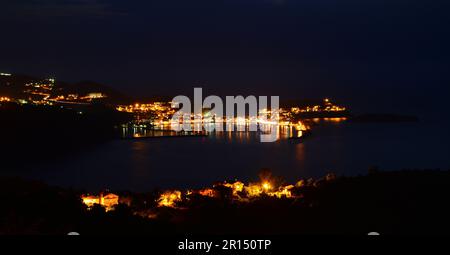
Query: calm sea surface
x,y
191,162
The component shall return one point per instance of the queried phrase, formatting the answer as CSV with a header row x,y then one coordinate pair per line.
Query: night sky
x,y
365,53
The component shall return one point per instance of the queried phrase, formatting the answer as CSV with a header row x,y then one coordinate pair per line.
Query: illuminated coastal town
x,y
156,115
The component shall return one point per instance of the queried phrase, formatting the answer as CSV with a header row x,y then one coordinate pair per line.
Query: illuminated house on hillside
x,y
5,99
108,201
96,95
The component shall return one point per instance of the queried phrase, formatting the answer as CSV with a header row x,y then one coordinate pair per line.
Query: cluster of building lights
x,y
291,126
75,97
328,106
240,192
236,192
41,92
153,107
158,113
161,114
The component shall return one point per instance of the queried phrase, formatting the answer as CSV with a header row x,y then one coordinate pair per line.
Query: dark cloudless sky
x,y
356,51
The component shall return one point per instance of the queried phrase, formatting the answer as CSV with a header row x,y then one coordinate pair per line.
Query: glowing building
x,y
108,201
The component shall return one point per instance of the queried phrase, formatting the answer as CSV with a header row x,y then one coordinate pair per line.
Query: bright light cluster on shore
x,y
160,114
240,192
327,106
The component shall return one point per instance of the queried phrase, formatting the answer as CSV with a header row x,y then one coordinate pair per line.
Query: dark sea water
x,y
343,148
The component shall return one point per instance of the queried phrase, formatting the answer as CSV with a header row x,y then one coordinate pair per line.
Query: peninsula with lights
x,y
146,119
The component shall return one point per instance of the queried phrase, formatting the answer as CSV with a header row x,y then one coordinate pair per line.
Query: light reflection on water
x,y
195,162
281,131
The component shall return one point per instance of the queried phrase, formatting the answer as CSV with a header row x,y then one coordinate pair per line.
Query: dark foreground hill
x,y
404,202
